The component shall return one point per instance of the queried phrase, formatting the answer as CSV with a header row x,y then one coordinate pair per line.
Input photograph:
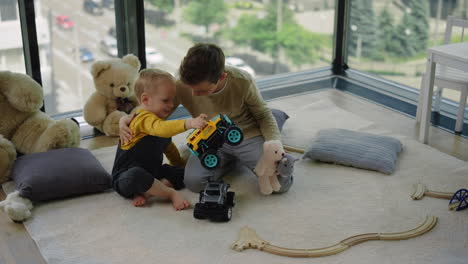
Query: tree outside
x,y
261,34
206,13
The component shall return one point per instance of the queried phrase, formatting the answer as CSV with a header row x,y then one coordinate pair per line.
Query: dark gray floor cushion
x,y
356,149
59,173
280,117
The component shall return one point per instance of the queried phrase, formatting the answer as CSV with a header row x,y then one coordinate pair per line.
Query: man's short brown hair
x,y
203,62
148,80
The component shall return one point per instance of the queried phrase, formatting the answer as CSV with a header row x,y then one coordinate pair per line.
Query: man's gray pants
x,y
245,154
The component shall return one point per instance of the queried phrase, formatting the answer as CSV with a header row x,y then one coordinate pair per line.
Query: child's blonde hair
x,y
148,80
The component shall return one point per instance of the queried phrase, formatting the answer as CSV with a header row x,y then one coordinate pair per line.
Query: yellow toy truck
x,y
204,143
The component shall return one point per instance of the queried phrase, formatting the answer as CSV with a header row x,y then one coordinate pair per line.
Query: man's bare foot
x,y
167,183
139,200
179,202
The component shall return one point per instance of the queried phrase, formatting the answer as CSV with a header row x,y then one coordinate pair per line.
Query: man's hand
x,y
198,122
125,132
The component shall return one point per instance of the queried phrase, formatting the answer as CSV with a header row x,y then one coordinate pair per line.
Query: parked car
x,y
158,18
109,46
153,57
240,63
86,55
109,4
112,32
64,22
92,7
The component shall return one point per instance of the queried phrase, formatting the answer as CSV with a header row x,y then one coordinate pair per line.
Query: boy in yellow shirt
x,y
138,171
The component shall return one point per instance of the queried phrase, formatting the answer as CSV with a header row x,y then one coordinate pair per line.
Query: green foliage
x,y
243,5
386,30
164,5
402,45
363,22
300,46
411,36
418,24
206,12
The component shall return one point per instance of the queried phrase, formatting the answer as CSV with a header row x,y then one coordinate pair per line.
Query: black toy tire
x,y
196,212
211,157
230,199
236,130
227,214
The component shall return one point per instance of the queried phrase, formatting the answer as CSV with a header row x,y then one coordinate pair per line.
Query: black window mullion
x,y
339,50
29,35
30,45
130,28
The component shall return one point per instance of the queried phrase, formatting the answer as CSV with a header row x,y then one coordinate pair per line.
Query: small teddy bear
x,y
266,168
114,80
286,165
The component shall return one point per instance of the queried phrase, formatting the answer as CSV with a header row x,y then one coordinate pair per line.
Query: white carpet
x,y
326,204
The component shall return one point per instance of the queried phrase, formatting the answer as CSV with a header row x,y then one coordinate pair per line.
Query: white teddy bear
x,y
266,168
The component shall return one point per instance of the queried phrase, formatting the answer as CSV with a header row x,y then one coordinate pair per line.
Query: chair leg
x,y
420,100
461,111
438,99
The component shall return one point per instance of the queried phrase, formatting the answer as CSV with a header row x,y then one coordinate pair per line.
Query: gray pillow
x,y
356,149
280,117
59,173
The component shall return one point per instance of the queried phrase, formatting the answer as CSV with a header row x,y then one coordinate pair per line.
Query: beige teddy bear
x,y
23,127
114,97
266,168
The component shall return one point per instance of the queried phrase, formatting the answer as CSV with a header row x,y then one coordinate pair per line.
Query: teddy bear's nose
x,y
123,89
282,154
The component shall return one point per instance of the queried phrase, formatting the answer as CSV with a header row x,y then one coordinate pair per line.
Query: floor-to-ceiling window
x,y
389,38
79,33
11,46
262,37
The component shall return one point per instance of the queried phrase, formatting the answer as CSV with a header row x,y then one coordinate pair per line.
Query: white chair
x,y
446,77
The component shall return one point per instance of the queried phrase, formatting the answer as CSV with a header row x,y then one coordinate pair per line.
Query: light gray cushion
x,y
280,117
59,173
356,149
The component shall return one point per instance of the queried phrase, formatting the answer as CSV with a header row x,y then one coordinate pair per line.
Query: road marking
x,y
72,63
92,21
68,99
92,34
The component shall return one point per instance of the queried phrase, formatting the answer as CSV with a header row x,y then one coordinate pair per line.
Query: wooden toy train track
x,y
248,238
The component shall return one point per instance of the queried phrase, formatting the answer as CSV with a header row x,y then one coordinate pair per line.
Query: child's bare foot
x,y
167,183
179,202
139,200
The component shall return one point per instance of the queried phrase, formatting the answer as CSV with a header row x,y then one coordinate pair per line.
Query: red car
x,y
64,22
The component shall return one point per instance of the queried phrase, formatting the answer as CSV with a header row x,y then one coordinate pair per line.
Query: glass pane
x,y
11,46
73,32
256,36
390,38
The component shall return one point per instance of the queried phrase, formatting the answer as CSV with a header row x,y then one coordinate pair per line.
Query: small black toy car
x,y
204,143
215,202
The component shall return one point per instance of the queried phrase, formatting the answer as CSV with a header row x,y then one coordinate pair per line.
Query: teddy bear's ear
x,y
132,60
99,67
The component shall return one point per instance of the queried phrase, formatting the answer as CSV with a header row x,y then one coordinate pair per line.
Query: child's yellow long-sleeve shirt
x,y
146,123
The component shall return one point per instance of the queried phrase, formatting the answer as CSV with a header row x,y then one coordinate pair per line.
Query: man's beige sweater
x,y
240,100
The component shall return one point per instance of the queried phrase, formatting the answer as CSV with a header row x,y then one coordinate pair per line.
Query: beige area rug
x,y
326,204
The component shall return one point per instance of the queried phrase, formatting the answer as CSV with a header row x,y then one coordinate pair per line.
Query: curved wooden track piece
x,y
293,149
248,238
420,190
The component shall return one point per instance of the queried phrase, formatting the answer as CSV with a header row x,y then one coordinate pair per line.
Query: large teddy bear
x,y
266,168
23,127
114,80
